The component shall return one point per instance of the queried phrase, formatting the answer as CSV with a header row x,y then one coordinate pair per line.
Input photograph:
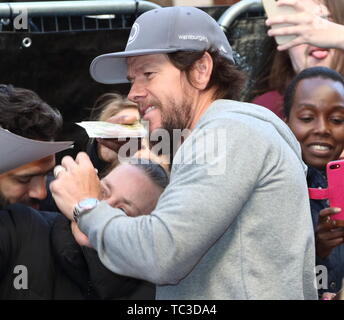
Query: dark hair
x,y
152,169
24,113
315,72
225,77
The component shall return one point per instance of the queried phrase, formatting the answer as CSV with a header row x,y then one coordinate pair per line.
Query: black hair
x,y
314,72
152,169
227,79
24,113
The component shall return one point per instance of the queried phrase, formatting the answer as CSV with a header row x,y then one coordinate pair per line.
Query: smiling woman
x,y
314,109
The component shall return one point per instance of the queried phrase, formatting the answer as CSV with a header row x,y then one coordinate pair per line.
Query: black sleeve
x,y
109,285
7,241
84,267
48,204
24,240
68,253
93,154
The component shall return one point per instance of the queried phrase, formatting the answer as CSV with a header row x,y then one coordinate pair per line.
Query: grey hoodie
x,y
234,222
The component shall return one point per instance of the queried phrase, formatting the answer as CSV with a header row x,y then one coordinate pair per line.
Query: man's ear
x,y
201,71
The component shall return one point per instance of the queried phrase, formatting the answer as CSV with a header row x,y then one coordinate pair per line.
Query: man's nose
x,y
38,188
137,92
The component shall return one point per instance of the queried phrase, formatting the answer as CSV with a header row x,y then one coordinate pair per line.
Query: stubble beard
x,y
174,117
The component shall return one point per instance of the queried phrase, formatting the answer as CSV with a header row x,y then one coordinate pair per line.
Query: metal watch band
x,y
83,207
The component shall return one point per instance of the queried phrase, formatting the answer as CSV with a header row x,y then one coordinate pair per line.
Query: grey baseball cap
x,y
163,30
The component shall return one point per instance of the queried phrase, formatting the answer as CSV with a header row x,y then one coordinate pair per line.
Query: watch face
x,y
88,203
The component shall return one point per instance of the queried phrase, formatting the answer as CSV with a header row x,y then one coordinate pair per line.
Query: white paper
x,y
107,130
16,151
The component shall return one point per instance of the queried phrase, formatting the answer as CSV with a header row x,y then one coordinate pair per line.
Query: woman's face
x,y
317,120
306,56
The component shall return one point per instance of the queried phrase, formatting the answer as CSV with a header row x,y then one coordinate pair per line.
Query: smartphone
x,y
335,182
273,10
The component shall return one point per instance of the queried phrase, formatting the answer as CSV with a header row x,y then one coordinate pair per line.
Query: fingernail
x,y
337,209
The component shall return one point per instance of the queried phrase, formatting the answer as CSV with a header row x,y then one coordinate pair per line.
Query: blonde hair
x,y
109,104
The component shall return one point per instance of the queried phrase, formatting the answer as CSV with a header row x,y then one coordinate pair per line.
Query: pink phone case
x,y
335,190
335,182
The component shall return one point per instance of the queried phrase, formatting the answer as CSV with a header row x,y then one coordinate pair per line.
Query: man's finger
x,y
83,160
68,163
58,170
123,119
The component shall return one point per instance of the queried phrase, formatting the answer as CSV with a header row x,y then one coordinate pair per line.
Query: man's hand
x,y
329,233
79,237
77,182
115,144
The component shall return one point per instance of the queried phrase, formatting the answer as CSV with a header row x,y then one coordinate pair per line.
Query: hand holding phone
x,y
335,190
273,10
335,180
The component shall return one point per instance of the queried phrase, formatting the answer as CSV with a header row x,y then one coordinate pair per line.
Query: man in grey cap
x,y
234,222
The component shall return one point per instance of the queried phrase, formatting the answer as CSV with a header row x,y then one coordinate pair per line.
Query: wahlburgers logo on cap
x,y
162,31
134,33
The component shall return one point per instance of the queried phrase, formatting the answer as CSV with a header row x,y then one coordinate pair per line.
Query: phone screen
x,y
273,10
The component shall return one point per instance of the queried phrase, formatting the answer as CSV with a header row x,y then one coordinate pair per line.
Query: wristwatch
x,y
83,207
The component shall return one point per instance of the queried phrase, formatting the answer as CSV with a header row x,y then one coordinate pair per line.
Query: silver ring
x,y
57,170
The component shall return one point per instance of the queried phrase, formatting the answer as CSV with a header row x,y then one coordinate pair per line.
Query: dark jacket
x,y
25,244
48,204
335,261
83,265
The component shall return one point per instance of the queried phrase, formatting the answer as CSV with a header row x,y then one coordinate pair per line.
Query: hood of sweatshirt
x,y
258,112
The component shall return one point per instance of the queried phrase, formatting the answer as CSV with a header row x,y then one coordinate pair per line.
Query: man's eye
x,y
123,210
23,180
148,74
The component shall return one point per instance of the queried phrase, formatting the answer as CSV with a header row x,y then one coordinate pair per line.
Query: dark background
x,y
56,65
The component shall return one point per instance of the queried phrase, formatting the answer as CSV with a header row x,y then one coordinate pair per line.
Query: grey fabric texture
x,y
236,226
